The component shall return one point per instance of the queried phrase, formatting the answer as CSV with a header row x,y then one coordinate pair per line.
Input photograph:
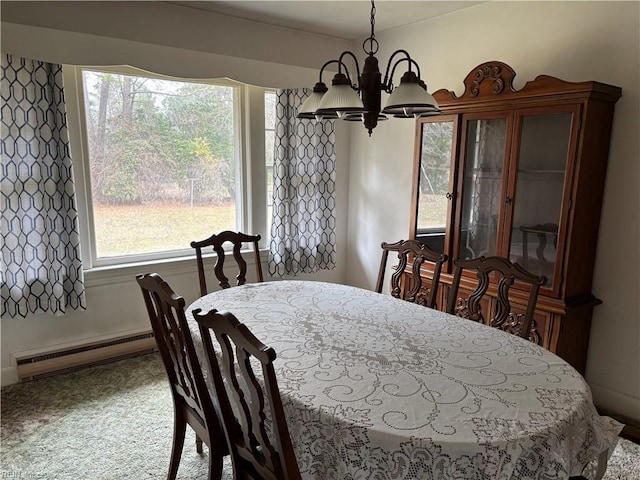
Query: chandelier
x,y
362,101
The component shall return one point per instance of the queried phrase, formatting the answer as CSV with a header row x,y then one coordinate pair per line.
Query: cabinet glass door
x,y
436,144
538,198
485,146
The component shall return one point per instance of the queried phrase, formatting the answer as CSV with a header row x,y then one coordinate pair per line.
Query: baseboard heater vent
x,y
89,355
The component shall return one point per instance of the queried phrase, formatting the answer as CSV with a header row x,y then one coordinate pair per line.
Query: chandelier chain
x,y
373,20
370,45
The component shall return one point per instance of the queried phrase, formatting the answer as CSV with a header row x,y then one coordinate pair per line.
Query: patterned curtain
x,y
41,271
303,226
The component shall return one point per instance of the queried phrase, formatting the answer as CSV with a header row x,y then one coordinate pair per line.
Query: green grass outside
x,y
135,229
432,211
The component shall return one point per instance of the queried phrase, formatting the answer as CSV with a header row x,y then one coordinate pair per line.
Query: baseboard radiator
x,y
71,359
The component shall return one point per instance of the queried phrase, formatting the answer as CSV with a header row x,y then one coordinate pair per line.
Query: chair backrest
x,y
217,241
420,253
254,453
191,396
507,274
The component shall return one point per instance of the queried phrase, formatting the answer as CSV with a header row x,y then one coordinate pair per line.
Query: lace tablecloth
x,y
379,388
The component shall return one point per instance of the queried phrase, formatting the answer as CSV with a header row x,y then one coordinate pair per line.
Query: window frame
x,y
269,199
249,154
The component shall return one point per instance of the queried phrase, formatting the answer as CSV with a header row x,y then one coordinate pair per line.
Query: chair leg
x,y
198,444
179,431
215,465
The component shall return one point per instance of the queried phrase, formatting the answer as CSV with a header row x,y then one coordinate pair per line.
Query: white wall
x,y
574,41
166,39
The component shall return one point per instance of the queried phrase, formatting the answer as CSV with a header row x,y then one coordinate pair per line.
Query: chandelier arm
x,y
393,55
340,63
326,64
355,62
409,60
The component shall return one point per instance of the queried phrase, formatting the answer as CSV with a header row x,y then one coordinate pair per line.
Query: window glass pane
x,y
162,162
484,159
269,144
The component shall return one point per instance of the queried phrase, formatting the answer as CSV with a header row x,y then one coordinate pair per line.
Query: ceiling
x,y
346,19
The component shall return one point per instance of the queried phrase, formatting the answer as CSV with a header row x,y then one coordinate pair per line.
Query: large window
x,y
164,162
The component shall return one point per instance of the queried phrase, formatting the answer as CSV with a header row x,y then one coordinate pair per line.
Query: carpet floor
x,y
115,422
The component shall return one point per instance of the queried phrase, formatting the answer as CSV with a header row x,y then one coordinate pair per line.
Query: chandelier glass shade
x,y
362,101
340,98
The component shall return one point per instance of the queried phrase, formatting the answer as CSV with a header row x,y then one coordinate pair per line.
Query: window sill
x,y
126,272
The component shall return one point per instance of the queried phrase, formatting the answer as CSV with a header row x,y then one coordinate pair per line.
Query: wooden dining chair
x,y
506,273
192,403
420,253
254,453
217,242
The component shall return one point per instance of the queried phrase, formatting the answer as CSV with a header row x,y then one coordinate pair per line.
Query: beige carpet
x,y
115,422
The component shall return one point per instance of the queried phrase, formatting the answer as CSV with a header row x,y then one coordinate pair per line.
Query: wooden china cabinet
x,y
520,174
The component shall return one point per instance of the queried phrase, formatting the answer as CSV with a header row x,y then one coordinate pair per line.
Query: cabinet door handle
x,y
449,196
508,200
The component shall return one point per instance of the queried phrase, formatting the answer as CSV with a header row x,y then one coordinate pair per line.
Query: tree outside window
x,y
162,162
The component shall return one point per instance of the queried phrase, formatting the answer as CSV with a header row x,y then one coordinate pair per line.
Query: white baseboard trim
x,y
8,376
616,403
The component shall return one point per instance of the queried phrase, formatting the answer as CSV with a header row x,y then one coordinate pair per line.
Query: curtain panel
x,y
41,269
303,235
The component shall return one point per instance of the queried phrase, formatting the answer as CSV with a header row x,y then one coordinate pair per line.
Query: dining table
x,y
375,387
